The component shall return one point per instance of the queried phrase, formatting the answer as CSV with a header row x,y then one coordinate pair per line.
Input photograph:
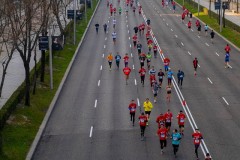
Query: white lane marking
x,y
207,44
105,38
163,19
210,80
138,102
160,15
108,21
133,66
131,55
189,53
126,16
198,65
176,36
135,82
167,24
130,45
230,66
100,67
182,44
217,54
104,46
107,31
128,31
129,38
198,36
91,130
127,25
98,83
126,21
192,30
171,29
95,105
102,55
158,12
225,101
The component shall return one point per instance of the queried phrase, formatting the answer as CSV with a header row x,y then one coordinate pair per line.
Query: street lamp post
x,y
50,59
74,27
198,7
220,13
86,10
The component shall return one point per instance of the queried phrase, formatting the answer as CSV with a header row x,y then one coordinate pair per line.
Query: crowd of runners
x,y
142,33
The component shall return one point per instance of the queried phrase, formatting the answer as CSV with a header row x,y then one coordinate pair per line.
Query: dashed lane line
x,y
210,80
225,101
95,104
91,132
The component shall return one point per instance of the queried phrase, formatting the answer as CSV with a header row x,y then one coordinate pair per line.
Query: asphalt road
x,y
91,118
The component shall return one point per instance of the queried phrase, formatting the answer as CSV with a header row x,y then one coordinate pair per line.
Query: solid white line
x,y
135,82
171,29
198,65
131,55
210,80
102,55
104,46
182,44
189,53
130,45
225,101
176,36
91,130
217,54
207,44
100,67
133,66
138,102
98,82
95,105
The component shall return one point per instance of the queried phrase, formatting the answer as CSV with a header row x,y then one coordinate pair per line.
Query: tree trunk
x,y
2,81
43,61
59,24
35,72
27,82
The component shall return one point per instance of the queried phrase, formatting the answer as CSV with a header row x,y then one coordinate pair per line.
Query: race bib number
x,y
142,120
181,120
160,77
197,141
175,138
168,120
162,135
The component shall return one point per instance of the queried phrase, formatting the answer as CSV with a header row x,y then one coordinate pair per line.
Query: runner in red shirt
x,y
114,11
195,65
127,72
149,43
168,120
161,120
155,50
183,17
143,27
227,48
142,73
134,38
111,9
166,63
197,137
181,120
162,133
142,58
142,122
140,10
132,108
163,3
148,35
189,25
148,28
197,23
126,58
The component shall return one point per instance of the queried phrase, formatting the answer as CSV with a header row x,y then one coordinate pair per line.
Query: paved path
x,y
91,120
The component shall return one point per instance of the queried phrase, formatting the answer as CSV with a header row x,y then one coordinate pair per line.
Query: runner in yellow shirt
x,y
147,105
110,59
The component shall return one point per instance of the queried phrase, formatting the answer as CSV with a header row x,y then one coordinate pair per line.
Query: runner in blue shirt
x,y
169,76
227,58
176,137
118,58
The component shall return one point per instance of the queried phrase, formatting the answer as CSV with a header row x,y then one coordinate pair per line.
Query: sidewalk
x,y
229,15
16,73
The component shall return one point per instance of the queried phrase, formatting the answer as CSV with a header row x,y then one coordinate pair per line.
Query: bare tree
x,y
25,29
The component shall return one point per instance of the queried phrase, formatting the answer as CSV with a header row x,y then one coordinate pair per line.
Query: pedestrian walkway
x,y
15,73
229,14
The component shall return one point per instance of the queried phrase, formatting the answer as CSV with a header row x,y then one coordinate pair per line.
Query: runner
x,y
199,28
142,58
152,73
155,50
148,22
135,29
134,9
118,58
163,3
227,59
160,120
114,22
97,26
120,10
166,63
195,65
148,36
212,35
183,17
180,76
197,23
174,6
148,56
149,43
206,29
139,47
189,25
126,58
176,137
140,29
105,28
134,38
147,105
111,9
127,72
132,108
227,49
208,157
142,73
114,36
140,9
169,76
168,120
110,59
142,122
160,77
162,133
181,120
169,91
197,137
155,87
143,27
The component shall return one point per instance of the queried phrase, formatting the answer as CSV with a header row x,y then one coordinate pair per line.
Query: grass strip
x,y
228,32
23,124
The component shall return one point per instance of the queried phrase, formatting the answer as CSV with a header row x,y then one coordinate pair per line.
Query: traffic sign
x,y
217,5
43,43
70,14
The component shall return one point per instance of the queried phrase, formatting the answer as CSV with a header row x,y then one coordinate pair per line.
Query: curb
x,y
51,107
237,48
